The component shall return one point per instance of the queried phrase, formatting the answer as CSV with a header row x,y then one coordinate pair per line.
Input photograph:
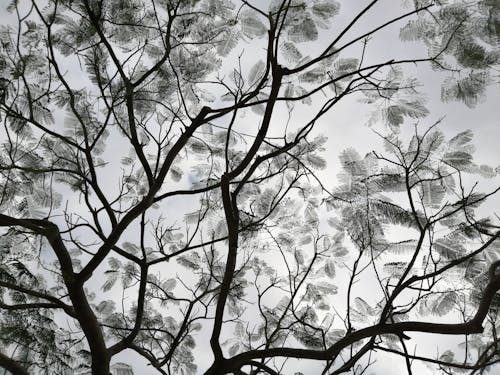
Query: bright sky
x,y
346,126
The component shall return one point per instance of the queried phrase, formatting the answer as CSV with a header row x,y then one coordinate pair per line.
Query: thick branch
x,y
11,365
232,222
146,202
472,326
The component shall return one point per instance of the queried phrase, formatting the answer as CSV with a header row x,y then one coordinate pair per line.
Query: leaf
x,y
346,65
396,113
315,293
198,147
169,284
290,52
468,90
359,370
325,9
351,162
315,161
176,173
389,182
486,171
461,140
447,356
130,247
289,93
300,91
330,269
106,307
227,97
433,193
126,160
416,29
299,256
444,303
114,263
234,349
392,214
112,276
473,55
362,307
251,26
311,215
336,334
306,31
458,159
340,251
286,239
449,248
403,247
191,261
308,339
283,304
221,228
432,141
122,368
229,41
239,330
256,72
315,75
258,109
395,269
22,271
326,242
264,201
334,223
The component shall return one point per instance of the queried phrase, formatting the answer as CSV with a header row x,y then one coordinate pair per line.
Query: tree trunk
x,y
92,330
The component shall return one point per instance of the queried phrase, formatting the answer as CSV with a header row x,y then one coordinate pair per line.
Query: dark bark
x,y
92,331
473,326
81,309
11,365
232,221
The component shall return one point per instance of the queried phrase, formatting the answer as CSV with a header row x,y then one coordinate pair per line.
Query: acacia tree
x,y
159,179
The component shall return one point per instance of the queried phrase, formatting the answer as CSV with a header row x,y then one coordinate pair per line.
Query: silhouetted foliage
x,y
163,188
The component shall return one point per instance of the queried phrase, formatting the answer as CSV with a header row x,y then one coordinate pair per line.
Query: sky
x,y
347,126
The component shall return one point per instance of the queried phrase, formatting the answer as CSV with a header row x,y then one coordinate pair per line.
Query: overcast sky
x,y
346,126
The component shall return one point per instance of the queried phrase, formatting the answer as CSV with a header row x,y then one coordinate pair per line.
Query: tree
x,y
157,182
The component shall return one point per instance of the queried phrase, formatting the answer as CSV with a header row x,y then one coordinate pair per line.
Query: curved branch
x,y
472,326
11,365
435,361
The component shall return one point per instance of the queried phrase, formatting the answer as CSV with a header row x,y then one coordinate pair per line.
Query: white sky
x,y
346,127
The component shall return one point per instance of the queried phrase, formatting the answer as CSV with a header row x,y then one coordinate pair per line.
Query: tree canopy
x,y
164,188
